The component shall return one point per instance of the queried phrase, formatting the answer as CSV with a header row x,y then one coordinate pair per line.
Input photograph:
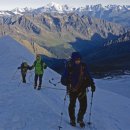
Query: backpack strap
x,y
69,68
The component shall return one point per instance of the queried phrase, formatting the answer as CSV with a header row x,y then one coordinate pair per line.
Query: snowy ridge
x,y
23,108
4,13
55,7
21,10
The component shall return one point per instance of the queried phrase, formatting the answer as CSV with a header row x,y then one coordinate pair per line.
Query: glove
x,y
30,67
93,88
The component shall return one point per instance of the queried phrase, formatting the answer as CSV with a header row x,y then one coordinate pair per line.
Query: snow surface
x,y
23,108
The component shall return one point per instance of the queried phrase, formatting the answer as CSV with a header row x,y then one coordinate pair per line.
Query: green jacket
x,y
39,66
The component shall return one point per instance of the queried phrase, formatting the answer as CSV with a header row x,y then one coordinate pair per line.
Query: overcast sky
x,y
10,4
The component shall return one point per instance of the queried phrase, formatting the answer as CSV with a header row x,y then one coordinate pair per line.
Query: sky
x,y
11,4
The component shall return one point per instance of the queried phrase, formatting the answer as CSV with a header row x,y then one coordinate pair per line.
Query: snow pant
x,y
40,79
23,77
82,104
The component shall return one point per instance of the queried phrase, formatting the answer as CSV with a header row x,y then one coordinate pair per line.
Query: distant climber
x,y
24,68
39,66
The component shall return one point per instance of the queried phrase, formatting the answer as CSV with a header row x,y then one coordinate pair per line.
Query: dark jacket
x,y
24,68
76,76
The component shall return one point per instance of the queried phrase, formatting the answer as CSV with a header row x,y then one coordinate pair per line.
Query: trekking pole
x,y
19,83
54,83
62,112
14,75
90,113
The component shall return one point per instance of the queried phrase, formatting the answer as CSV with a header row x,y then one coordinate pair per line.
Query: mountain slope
x,y
23,108
114,55
56,36
114,13
55,33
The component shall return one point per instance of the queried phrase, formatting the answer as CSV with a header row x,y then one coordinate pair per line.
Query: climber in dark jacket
x,y
24,68
77,78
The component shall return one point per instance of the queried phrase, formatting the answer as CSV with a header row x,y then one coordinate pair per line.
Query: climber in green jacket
x,y
39,66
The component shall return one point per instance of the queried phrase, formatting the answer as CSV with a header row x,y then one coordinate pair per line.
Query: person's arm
x,y
32,67
90,80
20,66
44,65
29,67
92,84
64,77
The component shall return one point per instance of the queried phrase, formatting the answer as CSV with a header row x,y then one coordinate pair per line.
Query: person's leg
x,y
24,77
40,81
71,108
35,80
83,107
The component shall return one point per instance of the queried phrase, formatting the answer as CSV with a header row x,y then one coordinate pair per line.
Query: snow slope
x,y
118,84
23,108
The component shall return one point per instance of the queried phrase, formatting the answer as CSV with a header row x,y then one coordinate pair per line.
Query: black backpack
x,y
66,76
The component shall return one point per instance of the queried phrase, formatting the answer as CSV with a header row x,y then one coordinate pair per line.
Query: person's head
x,y
25,64
77,61
38,57
76,57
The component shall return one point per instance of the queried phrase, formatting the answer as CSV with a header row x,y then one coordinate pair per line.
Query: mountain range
x,y
113,13
56,31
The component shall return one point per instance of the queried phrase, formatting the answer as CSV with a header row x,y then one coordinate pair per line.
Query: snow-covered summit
x,y
5,13
59,8
100,7
16,11
54,7
20,11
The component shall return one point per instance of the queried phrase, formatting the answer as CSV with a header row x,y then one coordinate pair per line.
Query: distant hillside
x,y
55,31
57,35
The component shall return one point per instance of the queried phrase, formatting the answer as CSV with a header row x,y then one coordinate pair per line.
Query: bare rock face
x,y
62,33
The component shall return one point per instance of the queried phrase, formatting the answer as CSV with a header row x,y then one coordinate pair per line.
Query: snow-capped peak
x,y
53,4
4,13
116,7
21,10
100,7
57,7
